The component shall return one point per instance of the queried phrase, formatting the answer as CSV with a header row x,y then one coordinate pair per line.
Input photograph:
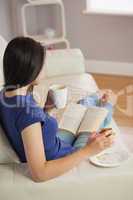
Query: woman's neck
x,y
20,91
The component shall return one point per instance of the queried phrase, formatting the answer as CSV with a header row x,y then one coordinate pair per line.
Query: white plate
x,y
112,157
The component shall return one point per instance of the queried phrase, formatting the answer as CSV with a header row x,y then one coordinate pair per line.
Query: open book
x,y
77,119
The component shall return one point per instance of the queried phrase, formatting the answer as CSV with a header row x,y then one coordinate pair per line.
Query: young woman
x,y
33,134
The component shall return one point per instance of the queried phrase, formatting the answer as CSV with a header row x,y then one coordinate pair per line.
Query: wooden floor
x,y
117,83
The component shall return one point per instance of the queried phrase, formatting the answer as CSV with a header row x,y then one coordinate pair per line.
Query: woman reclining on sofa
x,y
33,134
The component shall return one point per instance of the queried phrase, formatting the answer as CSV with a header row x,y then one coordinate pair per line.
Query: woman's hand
x,y
100,142
49,102
108,96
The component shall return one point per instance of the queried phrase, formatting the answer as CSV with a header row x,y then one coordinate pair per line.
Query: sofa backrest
x,y
64,62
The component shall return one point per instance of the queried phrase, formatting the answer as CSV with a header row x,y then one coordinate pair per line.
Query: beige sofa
x,y
84,181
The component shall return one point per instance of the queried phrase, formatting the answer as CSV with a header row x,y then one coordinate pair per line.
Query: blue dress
x,y
17,113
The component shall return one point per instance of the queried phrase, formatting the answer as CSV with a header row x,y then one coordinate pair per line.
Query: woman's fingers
x,y
99,142
106,131
107,137
105,141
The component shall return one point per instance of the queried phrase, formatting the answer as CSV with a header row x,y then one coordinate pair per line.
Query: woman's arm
x,y
42,170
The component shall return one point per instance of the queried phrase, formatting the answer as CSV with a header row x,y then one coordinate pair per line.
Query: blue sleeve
x,y
28,117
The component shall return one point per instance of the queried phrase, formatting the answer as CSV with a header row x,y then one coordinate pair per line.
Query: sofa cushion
x,y
7,154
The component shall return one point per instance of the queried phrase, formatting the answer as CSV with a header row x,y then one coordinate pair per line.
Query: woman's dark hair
x,y
23,61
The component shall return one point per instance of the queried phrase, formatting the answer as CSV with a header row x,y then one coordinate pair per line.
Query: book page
x,y
93,119
72,117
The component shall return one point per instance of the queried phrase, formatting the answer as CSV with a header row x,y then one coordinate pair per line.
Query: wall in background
x,y
10,18
5,19
101,37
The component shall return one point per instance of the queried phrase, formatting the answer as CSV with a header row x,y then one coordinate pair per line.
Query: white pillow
x,y
3,45
1,74
7,154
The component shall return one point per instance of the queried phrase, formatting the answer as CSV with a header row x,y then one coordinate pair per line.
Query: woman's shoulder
x,y
29,112
29,107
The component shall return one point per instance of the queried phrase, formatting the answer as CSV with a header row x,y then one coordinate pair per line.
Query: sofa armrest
x,y
64,62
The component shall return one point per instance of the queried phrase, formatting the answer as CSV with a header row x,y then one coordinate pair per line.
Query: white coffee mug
x,y
59,94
